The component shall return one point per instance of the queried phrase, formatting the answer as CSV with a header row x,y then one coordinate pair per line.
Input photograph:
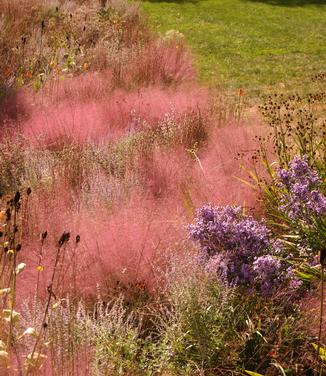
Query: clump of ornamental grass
x,y
274,338
47,40
115,115
198,323
114,332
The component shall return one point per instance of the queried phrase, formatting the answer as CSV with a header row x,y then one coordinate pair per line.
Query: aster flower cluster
x,y
237,247
301,196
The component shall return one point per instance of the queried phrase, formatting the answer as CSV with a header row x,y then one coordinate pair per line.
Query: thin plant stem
x,y
46,311
321,318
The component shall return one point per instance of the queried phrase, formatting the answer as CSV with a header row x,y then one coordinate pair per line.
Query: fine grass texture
x,y
249,44
145,219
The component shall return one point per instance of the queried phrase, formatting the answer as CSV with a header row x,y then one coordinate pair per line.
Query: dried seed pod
x,y
322,257
17,198
64,238
8,215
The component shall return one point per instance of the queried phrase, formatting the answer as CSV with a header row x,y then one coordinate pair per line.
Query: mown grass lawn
x,y
259,45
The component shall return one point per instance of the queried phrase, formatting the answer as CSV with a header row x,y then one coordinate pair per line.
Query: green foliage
x,y
297,126
115,335
199,324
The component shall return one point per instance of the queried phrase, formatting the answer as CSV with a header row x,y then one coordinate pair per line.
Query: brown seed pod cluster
x,y
297,124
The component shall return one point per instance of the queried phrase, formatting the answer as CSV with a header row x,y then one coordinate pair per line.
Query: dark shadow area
x,y
11,108
290,3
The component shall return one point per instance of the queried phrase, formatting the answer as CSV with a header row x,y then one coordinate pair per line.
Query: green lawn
x,y
254,44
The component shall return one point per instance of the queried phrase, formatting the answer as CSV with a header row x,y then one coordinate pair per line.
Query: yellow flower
x,y
40,268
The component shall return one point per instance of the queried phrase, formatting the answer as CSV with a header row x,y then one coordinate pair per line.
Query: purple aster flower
x,y
238,248
301,197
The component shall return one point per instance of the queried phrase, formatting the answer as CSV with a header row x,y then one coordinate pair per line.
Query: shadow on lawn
x,y
290,3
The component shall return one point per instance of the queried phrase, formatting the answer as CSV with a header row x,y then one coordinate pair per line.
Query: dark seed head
x,y
19,247
64,238
322,258
17,197
8,215
29,191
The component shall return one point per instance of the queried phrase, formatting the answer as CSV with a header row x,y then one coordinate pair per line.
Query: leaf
x,y
29,331
11,315
304,276
20,268
4,291
253,373
4,358
243,181
2,345
3,354
322,351
34,361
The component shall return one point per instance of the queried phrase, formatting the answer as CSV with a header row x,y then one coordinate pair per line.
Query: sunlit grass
x,y
261,46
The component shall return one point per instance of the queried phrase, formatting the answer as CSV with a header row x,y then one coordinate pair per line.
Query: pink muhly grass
x,y
128,245
166,173
207,175
219,166
124,245
107,116
127,242
161,62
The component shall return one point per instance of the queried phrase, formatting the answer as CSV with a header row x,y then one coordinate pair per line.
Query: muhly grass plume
x,y
125,239
163,61
219,173
106,117
198,175
125,244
